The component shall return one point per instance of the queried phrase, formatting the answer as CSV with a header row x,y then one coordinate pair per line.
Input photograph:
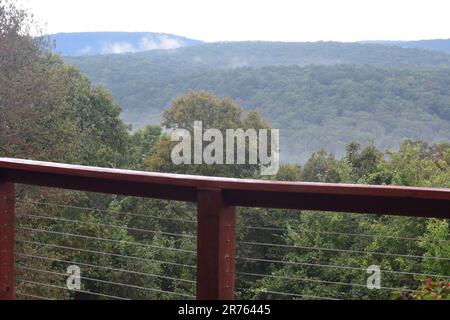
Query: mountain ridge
x,y
93,43
321,95
442,45
111,42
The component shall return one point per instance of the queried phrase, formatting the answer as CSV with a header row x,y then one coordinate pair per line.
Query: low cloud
x,y
85,51
162,43
145,44
118,47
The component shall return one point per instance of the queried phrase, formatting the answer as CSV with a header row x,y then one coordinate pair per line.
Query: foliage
x,y
316,106
214,113
434,291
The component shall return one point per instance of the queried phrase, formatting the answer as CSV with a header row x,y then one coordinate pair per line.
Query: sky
x,y
237,20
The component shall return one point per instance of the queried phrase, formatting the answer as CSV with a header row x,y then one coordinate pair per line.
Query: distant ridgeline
x,y
442,45
91,43
321,95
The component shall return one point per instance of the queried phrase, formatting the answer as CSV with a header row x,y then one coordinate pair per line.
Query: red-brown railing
x,y
216,200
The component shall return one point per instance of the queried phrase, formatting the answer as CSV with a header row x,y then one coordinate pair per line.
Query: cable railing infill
x,y
286,246
109,282
348,234
40,284
105,240
40,244
105,268
318,265
98,224
104,211
319,281
287,294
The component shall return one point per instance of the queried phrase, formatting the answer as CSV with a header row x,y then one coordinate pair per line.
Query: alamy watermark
x,y
74,279
374,280
233,146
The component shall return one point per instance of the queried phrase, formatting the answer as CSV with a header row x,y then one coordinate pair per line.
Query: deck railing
x,y
216,199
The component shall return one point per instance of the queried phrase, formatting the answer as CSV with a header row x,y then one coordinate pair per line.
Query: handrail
x,y
391,200
216,200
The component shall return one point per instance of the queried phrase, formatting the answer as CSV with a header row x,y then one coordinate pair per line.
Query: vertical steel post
x,y
216,246
6,240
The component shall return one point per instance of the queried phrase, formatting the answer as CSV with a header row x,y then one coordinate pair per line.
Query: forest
x,y
145,249
321,94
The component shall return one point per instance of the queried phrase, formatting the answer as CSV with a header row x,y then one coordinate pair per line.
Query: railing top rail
x,y
205,182
427,202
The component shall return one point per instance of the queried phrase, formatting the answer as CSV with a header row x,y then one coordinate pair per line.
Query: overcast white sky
x,y
229,20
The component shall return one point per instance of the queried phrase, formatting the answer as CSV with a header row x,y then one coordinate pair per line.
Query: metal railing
x,y
210,264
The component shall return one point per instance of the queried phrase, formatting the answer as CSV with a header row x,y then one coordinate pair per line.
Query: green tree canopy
x,y
214,113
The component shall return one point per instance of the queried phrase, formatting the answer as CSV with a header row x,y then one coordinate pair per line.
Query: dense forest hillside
x,y
259,54
91,43
442,45
316,106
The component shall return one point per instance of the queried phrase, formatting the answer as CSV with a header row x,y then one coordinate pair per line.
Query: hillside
x,y
259,54
92,43
442,45
314,106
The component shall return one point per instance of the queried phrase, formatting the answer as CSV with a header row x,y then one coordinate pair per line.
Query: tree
x,y
362,162
289,172
142,143
214,113
321,167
